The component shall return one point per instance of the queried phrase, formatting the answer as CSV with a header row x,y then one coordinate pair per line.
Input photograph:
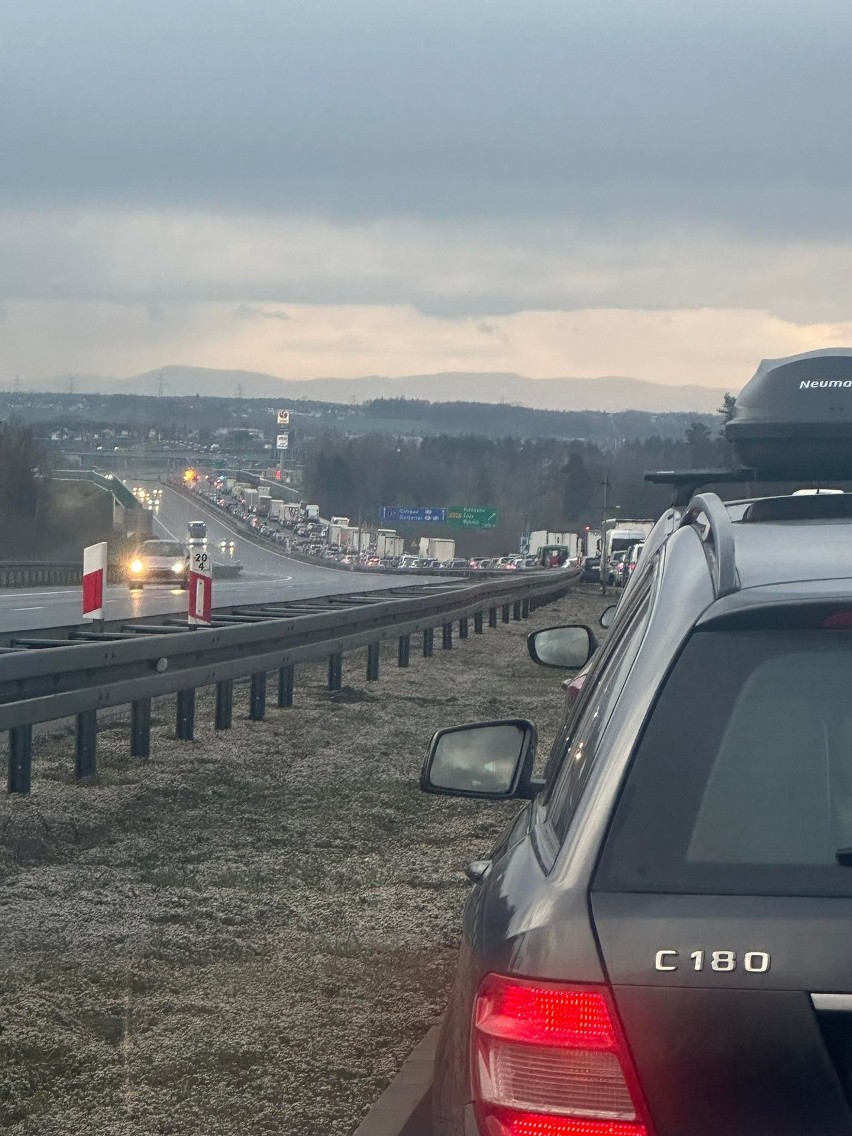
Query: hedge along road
x,y
267,576
248,934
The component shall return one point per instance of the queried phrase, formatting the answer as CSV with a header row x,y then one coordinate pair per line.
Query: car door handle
x,y
476,869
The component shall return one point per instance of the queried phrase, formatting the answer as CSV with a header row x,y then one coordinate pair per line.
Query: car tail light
x,y
549,1060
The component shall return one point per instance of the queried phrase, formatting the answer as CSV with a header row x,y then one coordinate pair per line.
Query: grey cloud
x,y
640,111
483,270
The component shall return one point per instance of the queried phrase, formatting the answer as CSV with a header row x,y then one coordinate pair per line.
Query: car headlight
x,y
178,567
136,566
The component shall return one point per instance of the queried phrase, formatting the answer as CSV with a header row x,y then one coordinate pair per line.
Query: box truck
x,y
437,548
624,533
388,543
544,538
592,543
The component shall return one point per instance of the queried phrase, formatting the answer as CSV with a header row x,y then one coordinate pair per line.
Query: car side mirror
x,y
489,760
608,615
569,647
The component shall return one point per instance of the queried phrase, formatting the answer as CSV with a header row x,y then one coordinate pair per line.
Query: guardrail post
x,y
185,718
516,610
374,651
87,733
140,728
492,617
20,759
335,671
404,650
447,636
224,704
463,627
525,609
428,642
285,687
506,612
257,697
478,622
84,762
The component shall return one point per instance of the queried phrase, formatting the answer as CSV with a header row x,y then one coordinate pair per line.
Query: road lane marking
x,y
16,595
39,607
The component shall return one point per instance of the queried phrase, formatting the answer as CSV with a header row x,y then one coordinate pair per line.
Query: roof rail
x,y
718,532
685,482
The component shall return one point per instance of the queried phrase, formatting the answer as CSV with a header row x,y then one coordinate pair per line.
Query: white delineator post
x,y
94,580
200,587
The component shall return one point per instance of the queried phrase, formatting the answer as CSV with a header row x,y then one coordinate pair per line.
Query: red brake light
x,y
543,1014
548,1061
508,1122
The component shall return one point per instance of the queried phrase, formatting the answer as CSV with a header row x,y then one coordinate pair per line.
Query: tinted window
x,y
743,780
579,748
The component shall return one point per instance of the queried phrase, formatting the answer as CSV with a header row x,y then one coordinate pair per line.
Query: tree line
x,y
533,482
497,420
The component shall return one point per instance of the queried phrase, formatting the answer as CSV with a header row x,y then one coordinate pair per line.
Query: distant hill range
x,y
609,393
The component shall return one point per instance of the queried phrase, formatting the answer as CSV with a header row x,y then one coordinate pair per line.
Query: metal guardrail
x,y
106,481
44,678
33,574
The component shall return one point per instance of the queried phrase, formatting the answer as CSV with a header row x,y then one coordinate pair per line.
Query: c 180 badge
x,y
722,961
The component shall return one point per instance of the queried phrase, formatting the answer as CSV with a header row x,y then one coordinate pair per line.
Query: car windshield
x,y
161,548
756,796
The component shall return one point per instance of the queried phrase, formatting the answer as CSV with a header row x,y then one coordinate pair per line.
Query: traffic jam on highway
x,y
298,527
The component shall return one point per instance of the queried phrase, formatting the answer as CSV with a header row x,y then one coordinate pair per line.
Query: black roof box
x,y
796,414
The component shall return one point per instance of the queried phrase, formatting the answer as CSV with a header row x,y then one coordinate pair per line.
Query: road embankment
x,y
249,933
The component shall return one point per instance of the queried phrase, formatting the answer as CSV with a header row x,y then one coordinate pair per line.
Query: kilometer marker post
x,y
94,580
200,588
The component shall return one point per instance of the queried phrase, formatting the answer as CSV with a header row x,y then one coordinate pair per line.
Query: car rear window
x,y
742,782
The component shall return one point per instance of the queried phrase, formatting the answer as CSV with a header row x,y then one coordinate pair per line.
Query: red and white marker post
x,y
94,580
200,587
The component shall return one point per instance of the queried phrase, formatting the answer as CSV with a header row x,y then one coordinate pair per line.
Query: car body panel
x,y
731,1063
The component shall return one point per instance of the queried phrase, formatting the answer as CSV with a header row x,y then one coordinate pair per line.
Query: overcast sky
x,y
656,188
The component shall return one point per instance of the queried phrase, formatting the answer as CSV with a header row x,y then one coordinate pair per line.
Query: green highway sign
x,y
467,517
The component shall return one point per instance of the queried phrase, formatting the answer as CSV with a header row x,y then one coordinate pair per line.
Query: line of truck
x,y
545,545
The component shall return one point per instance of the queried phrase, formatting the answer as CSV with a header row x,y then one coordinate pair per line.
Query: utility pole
x,y
161,385
604,558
